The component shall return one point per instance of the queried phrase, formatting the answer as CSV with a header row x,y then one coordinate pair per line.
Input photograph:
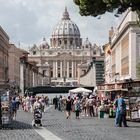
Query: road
x,y
57,127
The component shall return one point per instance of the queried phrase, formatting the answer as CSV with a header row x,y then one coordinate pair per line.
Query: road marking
x,y
47,135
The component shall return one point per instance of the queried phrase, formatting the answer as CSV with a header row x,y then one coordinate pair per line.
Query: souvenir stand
x,y
131,95
134,99
107,93
6,110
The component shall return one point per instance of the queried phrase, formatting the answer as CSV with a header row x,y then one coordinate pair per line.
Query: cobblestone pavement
x,y
20,129
88,128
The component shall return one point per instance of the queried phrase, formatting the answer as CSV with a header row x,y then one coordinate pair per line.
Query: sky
x,y
27,22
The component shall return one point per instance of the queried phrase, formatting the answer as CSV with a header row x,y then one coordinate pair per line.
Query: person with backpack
x,y
77,107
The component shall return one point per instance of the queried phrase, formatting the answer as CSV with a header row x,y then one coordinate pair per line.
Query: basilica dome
x,y
43,44
66,33
87,44
66,27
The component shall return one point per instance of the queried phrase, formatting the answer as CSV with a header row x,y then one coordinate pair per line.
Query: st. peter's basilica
x,y
60,60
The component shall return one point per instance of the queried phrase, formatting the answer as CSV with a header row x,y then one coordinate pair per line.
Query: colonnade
x,y
65,68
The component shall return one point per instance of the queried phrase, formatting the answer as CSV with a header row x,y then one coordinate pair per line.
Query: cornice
x,y
121,33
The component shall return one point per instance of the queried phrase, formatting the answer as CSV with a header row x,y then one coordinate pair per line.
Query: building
x,y
122,54
4,46
29,73
14,65
92,73
23,73
65,52
125,48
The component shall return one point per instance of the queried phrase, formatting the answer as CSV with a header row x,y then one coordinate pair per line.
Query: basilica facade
x,y
59,61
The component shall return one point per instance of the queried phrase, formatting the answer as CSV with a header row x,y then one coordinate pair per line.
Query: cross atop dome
x,y
66,15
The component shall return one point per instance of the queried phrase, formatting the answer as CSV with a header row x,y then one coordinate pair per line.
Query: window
x,y
58,74
44,71
59,42
65,42
51,73
70,75
34,52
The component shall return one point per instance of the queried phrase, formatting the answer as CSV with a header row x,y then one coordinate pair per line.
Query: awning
x,y
109,90
80,90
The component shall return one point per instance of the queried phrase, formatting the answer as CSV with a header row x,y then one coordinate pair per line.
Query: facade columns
x,y
22,78
68,69
132,55
75,69
56,66
72,69
61,69
54,69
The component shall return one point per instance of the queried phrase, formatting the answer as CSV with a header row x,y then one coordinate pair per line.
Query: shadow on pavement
x,y
134,126
17,125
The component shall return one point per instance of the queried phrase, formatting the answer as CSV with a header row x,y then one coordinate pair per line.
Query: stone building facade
x,y
23,73
29,73
14,65
65,52
4,46
125,48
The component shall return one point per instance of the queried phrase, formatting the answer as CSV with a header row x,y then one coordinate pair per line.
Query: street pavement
x,y
88,128
57,127
21,129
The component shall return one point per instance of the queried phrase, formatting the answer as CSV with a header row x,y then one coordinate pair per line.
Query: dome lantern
x,y
65,15
66,33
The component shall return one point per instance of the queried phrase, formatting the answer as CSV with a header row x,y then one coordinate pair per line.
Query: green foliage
x,y
99,7
138,13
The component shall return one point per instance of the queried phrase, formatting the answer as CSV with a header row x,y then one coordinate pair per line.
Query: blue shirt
x,y
121,106
14,104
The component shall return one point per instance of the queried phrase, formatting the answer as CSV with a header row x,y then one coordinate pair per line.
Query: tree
x,y
99,7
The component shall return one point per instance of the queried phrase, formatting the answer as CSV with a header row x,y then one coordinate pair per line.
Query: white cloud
x,y
27,21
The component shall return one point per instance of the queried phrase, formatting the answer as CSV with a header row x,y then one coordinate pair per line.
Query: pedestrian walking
x,y
84,108
14,107
55,102
90,104
77,107
68,107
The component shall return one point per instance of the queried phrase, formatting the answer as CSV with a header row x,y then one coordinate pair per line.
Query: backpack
x,y
77,107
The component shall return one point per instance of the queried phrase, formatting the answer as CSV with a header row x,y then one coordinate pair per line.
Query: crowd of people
x,y
85,106
28,104
92,106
